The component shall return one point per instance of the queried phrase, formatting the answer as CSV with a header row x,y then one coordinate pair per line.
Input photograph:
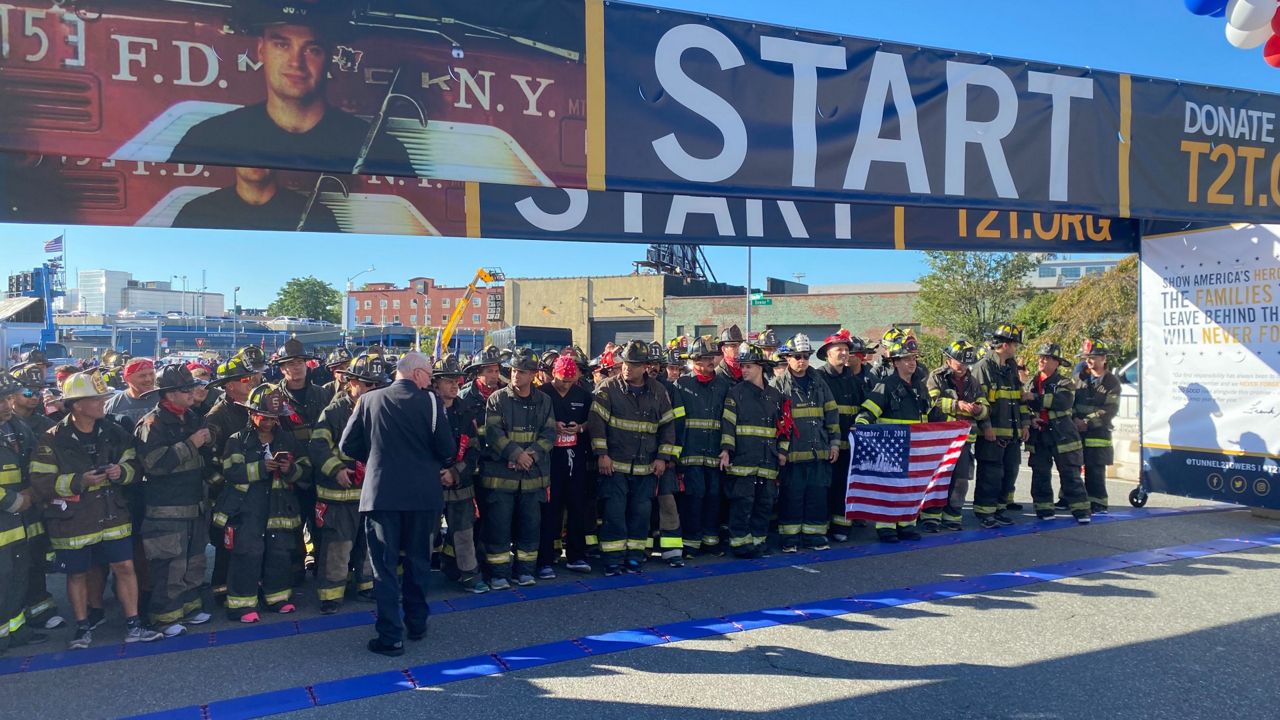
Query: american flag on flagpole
x,y
895,471
54,245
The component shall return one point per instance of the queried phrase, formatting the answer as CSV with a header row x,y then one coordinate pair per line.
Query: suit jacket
x,y
390,431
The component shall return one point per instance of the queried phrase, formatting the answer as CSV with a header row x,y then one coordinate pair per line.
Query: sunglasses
x,y
28,393
801,356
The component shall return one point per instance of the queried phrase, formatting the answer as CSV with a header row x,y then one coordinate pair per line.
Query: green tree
x,y
969,293
1036,314
308,297
1101,307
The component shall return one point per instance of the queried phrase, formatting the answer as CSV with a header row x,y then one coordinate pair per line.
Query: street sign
x,y
755,296
761,301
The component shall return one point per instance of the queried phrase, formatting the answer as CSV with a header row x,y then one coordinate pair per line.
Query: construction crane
x,y
489,276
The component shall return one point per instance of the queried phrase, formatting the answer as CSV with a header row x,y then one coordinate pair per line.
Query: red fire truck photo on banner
x,y
448,89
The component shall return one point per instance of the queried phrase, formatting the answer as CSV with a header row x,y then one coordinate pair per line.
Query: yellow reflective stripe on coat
x,y
633,425
672,450
43,467
667,417
730,415
728,440
678,411
522,436
599,443
78,542
747,471
760,431
896,421
870,406
1097,442
281,523
8,537
601,410
337,495
803,412
62,485
10,475
702,423
847,409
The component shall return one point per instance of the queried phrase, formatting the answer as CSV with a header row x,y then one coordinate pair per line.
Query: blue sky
x,y
1146,37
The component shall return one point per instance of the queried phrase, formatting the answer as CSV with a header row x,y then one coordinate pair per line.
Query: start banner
x,y
1211,364
88,191
614,96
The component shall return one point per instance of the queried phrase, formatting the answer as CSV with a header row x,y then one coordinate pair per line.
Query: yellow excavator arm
x,y
487,275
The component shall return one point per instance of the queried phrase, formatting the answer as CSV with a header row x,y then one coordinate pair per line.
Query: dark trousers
x,y
263,562
389,533
507,514
699,506
802,505
628,504
40,604
1096,460
14,573
750,505
174,548
568,517
997,472
838,495
340,527
1043,459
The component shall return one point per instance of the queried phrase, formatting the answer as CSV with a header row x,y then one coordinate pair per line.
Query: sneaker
x,y
199,617
54,621
1045,514
1002,520
988,522
82,640
286,608
887,535
1097,509
952,525
676,562
839,537
174,630
631,567
612,570
139,634
1013,506
546,572
909,533
475,585
930,526
329,607
1082,518
500,584
250,618
526,580
579,566
97,616
377,646
1061,505
789,549
821,546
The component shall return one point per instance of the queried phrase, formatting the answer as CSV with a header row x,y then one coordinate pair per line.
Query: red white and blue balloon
x,y
1250,23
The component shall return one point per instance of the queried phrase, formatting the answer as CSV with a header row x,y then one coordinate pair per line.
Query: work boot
x,y
887,535
1002,520
908,533
930,526
1098,509
1061,505
329,607
1082,517
1045,514
952,525
1013,506
988,522
676,562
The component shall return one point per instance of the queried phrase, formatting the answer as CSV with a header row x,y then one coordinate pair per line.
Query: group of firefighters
x,y
131,471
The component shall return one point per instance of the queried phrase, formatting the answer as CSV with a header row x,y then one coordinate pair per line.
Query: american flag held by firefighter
x,y
895,471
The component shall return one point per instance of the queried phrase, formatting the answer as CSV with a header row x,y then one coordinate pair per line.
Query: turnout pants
x,y
569,516
174,548
670,538
750,506
340,529
1096,460
997,472
1042,461
459,548
14,573
628,503
40,604
508,513
838,495
699,507
390,533
260,560
802,506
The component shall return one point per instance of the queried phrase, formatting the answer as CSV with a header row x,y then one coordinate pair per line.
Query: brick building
x,y
423,303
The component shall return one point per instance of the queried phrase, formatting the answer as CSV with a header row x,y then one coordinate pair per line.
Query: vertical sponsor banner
x,y
1211,364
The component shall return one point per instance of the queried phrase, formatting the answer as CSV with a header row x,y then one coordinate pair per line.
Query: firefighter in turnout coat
x,y
459,560
520,431
1096,405
900,397
753,447
849,391
16,445
259,508
175,448
702,394
956,396
998,449
338,482
803,516
1054,439
632,429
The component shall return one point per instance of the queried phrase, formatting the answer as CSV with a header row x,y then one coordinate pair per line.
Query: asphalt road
x,y
1185,639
